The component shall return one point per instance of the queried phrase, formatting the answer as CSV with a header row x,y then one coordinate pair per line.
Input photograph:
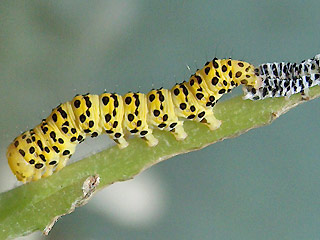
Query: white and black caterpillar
x,y
284,79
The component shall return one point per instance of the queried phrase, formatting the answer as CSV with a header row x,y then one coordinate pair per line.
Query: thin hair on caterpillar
x,y
46,148
285,79
188,67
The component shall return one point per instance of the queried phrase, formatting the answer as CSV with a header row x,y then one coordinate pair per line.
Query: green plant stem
x,y
33,206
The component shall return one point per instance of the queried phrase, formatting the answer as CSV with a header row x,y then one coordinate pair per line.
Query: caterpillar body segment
x,y
135,117
20,161
86,114
162,113
285,79
45,149
111,117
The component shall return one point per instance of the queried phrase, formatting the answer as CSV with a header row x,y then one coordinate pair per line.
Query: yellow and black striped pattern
x,y
46,148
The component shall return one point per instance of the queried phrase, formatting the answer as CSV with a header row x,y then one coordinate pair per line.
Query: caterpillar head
x,y
245,73
251,78
23,170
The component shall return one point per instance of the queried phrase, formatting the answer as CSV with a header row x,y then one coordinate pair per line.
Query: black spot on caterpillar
x,y
284,79
39,152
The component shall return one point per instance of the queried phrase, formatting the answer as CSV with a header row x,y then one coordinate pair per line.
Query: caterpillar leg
x,y
305,94
121,142
178,132
62,163
211,121
149,138
117,136
37,175
49,171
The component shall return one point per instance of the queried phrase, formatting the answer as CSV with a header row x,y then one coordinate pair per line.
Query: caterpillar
x,y
45,149
284,79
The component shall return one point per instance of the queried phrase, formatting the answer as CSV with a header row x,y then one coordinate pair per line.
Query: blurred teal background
x,y
264,184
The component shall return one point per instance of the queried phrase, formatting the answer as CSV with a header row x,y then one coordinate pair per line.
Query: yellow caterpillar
x,y
46,148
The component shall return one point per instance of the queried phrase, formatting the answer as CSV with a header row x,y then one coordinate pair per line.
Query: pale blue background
x,y
264,184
